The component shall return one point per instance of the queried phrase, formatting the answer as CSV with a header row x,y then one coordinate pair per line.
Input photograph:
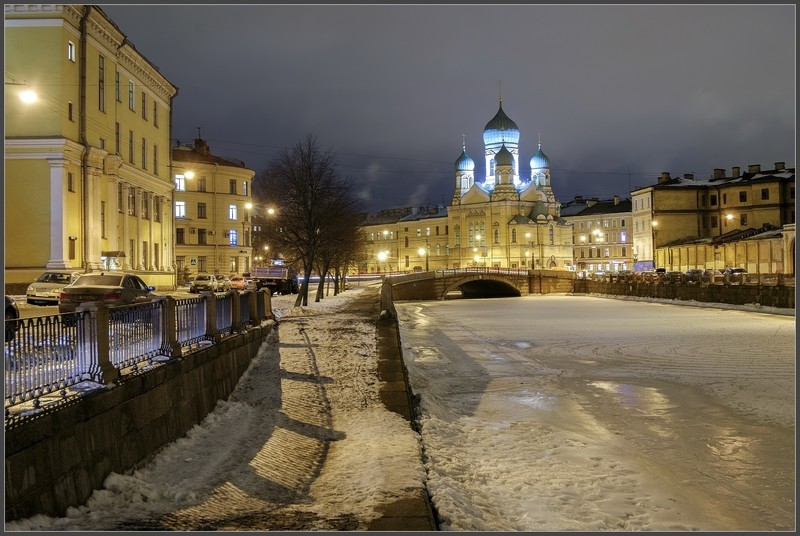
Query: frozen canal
x,y
556,413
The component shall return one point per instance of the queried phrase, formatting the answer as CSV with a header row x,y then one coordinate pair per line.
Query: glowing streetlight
x,y
189,174
28,96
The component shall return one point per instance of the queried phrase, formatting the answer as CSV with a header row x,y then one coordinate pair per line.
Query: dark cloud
x,y
617,93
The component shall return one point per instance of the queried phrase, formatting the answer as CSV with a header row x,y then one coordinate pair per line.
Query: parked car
x,y
694,275
115,288
203,282
47,287
238,283
12,318
223,283
735,271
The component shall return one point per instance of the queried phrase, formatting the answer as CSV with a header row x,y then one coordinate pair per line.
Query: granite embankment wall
x,y
58,459
736,294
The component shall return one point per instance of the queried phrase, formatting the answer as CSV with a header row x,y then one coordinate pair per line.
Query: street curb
x,y
414,513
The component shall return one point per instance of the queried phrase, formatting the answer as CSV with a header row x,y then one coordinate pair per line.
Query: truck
x,y
278,278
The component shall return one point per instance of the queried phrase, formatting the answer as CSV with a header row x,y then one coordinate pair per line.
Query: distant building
x,y
683,222
87,179
505,220
213,212
601,234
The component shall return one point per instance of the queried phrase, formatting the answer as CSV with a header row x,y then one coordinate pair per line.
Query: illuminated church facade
x,y
510,219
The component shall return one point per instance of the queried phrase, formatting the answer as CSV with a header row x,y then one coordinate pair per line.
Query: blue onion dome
x,y
464,162
500,129
504,157
540,160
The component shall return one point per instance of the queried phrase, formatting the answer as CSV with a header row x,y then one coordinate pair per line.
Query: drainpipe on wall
x,y
172,191
83,141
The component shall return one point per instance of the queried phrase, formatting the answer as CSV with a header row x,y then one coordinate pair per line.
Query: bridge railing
x,y
450,272
51,359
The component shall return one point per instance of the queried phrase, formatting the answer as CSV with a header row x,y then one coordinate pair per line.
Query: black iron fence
x,y
51,359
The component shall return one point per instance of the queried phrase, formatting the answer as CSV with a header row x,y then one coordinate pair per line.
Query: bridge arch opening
x,y
482,288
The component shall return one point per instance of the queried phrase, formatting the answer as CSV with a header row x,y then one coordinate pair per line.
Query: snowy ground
x,y
303,443
545,413
555,413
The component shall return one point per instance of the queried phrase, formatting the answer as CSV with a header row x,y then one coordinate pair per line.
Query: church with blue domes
x,y
508,218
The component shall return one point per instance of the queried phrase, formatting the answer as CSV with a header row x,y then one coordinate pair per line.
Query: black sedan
x,y
114,288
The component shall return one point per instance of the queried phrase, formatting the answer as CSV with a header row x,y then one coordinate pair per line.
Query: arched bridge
x,y
478,283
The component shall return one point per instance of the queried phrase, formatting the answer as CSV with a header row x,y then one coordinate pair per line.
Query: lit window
x,y
180,183
180,209
623,236
234,237
70,51
232,212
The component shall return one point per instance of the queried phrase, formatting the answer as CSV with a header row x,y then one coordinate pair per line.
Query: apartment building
x,y
601,234
87,164
213,212
683,222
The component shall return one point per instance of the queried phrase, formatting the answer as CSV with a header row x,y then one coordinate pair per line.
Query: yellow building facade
x,y
508,220
213,212
602,234
683,222
87,165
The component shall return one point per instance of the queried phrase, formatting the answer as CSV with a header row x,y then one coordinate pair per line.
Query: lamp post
x,y
425,252
382,256
653,227
598,239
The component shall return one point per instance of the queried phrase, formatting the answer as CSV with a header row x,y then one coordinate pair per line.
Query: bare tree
x,y
313,202
341,240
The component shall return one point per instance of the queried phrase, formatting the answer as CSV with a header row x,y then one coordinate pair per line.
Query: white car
x,y
47,287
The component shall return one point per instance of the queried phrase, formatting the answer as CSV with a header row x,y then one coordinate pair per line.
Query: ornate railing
x,y
51,359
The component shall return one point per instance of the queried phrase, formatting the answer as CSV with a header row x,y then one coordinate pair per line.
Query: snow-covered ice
x,y
554,413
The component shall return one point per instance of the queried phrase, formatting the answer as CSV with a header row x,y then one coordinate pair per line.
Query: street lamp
x,y
425,251
653,226
382,256
27,95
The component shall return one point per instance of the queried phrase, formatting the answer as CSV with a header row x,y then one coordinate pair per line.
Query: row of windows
x,y
138,204
711,199
143,151
180,211
606,223
180,185
594,253
202,236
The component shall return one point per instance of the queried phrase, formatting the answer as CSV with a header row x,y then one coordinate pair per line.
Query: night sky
x,y
618,93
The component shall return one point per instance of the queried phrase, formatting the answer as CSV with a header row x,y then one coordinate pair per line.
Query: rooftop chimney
x,y
200,146
616,200
780,165
664,177
689,176
735,172
754,168
719,173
